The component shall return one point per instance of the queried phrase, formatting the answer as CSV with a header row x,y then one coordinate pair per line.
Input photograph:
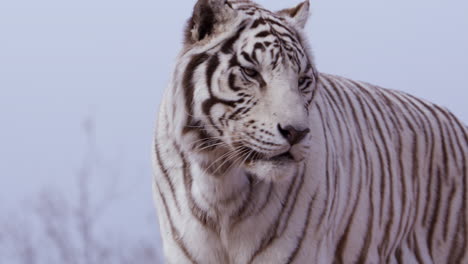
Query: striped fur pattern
x,y
261,159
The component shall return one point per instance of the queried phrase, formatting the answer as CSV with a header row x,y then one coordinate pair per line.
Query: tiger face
x,y
248,90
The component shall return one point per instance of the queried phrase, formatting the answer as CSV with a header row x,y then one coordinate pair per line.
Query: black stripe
x,y
239,214
388,107
257,23
189,87
213,100
232,82
202,216
247,57
166,176
327,170
447,223
339,256
432,166
305,228
267,198
434,214
417,250
174,232
299,189
263,34
283,26
213,64
331,167
398,256
386,129
424,127
292,39
254,56
234,62
409,224
381,129
234,115
271,231
370,226
340,118
259,46
228,45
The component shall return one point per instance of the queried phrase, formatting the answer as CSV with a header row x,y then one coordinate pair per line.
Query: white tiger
x,y
261,159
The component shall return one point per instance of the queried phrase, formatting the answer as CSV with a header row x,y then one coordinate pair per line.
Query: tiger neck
x,y
236,195
219,191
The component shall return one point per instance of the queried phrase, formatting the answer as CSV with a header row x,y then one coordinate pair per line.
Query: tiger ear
x,y
298,15
207,16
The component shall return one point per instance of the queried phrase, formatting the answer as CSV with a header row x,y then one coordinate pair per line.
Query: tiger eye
x,y
303,80
250,72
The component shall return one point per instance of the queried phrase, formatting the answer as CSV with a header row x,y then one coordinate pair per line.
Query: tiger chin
x,y
261,159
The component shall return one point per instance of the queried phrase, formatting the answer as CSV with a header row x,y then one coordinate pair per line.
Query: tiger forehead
x,y
277,43
249,7
270,35
263,17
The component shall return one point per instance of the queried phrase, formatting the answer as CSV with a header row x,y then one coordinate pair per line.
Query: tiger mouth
x,y
285,157
256,156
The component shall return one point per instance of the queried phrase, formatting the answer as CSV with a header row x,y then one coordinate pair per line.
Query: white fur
x,y
337,178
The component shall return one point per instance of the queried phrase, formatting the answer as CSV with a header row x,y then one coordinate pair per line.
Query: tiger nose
x,y
293,135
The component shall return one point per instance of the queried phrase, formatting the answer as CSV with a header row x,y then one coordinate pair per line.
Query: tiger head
x,y
247,80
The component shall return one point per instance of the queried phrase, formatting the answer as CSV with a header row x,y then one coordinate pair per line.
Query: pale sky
x,y
61,61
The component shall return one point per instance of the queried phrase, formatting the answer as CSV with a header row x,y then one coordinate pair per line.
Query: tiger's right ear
x,y
297,15
208,15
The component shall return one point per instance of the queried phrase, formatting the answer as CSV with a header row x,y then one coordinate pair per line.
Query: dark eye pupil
x,y
302,80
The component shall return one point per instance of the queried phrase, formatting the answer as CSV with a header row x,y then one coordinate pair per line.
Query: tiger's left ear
x,y
298,15
207,18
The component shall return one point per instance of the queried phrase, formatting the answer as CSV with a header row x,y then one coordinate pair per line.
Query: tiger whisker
x,y
229,153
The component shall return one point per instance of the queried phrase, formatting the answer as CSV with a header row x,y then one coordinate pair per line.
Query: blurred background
x,y
81,81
